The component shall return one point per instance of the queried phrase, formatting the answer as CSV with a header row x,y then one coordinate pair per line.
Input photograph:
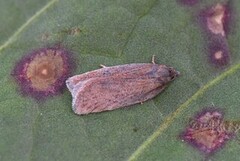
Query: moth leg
x,y
103,66
213,104
153,59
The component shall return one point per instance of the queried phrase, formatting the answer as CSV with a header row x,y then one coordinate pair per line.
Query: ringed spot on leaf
x,y
219,54
216,19
43,72
216,23
208,131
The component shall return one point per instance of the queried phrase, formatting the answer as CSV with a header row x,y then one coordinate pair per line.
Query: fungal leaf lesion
x,y
216,21
208,131
45,69
43,72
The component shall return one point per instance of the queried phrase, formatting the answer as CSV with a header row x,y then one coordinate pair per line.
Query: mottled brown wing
x,y
101,94
129,70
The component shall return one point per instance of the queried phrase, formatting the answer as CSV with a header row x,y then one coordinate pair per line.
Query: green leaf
x,y
113,32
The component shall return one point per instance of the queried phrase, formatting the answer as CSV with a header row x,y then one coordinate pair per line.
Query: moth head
x,y
173,73
166,73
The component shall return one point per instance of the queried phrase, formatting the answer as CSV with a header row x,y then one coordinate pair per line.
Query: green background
x,y
114,32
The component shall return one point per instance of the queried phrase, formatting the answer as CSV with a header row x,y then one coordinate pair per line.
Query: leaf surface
x,y
113,32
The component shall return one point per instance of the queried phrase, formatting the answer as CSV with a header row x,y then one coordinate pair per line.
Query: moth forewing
x,y
109,93
127,70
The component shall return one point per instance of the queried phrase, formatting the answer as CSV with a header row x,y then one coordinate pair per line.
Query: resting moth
x,y
118,86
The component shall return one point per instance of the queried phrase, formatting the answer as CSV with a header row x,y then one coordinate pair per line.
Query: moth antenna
x,y
103,66
153,59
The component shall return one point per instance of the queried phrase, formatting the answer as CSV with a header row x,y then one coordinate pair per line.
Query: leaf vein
x,y
26,24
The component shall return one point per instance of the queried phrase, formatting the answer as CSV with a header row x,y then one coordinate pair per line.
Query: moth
x,y
118,86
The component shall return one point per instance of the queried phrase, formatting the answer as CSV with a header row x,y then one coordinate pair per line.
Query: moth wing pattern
x,y
101,94
131,70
